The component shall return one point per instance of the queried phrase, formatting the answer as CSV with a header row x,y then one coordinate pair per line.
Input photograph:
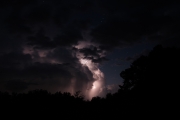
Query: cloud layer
x,y
43,41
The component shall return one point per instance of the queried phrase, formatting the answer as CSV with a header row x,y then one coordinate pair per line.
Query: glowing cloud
x,y
98,76
98,84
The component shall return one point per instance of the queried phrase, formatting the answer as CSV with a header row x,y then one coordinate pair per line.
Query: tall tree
x,y
157,73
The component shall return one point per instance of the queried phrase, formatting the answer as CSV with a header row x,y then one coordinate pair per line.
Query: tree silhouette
x,y
79,96
155,77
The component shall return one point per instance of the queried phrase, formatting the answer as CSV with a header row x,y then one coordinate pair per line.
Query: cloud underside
x,y
42,42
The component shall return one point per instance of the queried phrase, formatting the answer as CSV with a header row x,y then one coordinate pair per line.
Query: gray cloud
x,y
39,39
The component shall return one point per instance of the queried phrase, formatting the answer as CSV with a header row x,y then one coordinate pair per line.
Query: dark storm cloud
x,y
68,37
63,55
95,54
17,85
90,52
22,16
116,32
132,21
39,38
53,74
100,60
14,60
21,72
38,14
59,76
15,25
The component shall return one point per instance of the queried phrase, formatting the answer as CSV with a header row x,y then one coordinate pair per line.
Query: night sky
x,y
72,45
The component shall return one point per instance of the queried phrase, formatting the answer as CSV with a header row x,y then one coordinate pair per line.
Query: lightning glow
x,y
98,76
95,88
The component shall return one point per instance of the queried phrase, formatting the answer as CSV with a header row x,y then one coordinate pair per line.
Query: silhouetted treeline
x,y
151,88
